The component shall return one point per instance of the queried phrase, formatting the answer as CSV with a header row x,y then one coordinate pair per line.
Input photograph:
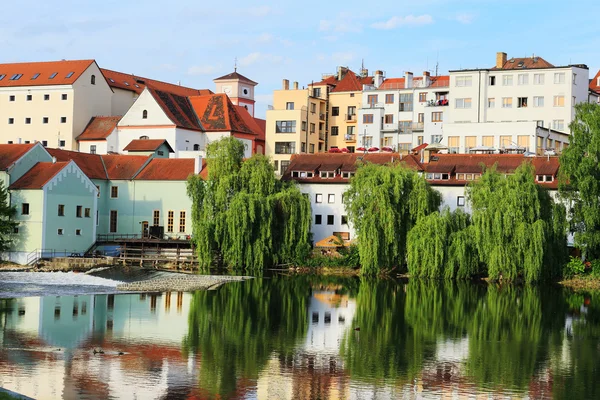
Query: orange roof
x,y
350,82
526,63
399,83
251,122
235,75
10,153
167,169
594,83
90,164
147,145
262,124
122,166
42,73
217,114
178,108
39,175
99,128
137,84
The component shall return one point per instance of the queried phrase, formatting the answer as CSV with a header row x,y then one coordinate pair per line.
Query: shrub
x,y
575,266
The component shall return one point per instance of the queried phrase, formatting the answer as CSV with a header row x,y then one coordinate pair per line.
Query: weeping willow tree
x,y
519,230
242,216
441,245
383,203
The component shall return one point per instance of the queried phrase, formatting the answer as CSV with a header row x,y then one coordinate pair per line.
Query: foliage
x,y
575,266
242,215
7,224
441,245
595,264
384,202
519,230
579,182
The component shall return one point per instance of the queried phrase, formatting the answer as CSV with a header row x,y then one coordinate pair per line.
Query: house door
x,y
145,232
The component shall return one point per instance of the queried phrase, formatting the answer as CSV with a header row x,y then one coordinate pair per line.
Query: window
x,y
367,118
507,102
507,80
559,101
45,120
331,198
335,130
317,92
372,99
559,77
538,79
492,81
312,148
285,126
2,76
389,98
113,221
523,141
25,209
93,79
79,212
463,103
344,220
16,77
70,74
318,198
437,116
538,101
523,79
28,120
318,219
285,147
53,75
289,105
114,192
470,141
64,96
29,97
10,142
436,138
61,210
422,97
59,231
421,117
351,110
170,217
574,79
313,108
540,123
335,111
11,97
63,120
303,126
460,201
491,102
330,220
93,149
61,143
521,102
87,212
389,118
453,146
303,147
406,102
182,222
145,114
462,81
487,141
505,140
11,121
558,124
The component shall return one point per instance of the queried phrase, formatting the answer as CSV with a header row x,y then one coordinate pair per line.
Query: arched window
x,y
145,114
93,80
144,137
196,147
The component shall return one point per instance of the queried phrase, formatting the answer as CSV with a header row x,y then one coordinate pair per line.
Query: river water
x,y
299,338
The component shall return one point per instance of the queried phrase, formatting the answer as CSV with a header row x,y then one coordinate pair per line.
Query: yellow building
x,y
316,119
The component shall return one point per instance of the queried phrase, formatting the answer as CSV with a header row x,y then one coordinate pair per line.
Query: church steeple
x,y
239,88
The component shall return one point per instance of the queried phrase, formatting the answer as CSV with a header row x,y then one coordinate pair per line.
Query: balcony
x,y
322,136
350,138
412,127
350,118
372,105
322,116
438,103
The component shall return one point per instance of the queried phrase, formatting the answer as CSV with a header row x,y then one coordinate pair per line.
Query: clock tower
x,y
238,88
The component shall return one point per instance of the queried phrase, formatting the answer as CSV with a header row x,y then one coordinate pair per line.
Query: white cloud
x,y
398,21
343,25
465,18
202,70
255,57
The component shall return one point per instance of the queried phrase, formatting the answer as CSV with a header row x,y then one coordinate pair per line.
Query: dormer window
x,y
16,77
144,137
35,76
327,174
295,174
93,80
445,177
145,114
53,75
126,83
544,178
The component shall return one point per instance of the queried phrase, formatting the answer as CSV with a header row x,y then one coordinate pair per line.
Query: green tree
x,y
383,203
519,230
7,224
242,216
579,182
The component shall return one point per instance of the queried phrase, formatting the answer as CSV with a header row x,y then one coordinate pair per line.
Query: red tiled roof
x,y
350,82
330,80
399,83
217,114
146,145
235,75
419,148
10,153
262,125
251,122
594,83
472,163
167,169
525,63
137,84
90,164
178,108
67,72
39,175
99,128
122,166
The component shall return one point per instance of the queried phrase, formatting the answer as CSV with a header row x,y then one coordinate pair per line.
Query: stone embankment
x,y
180,283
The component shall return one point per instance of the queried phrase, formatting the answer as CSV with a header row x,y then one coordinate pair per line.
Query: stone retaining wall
x,y
180,283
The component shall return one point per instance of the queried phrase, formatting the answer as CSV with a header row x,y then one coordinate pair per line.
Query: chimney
x,y
197,165
378,78
500,59
426,79
295,85
408,80
341,72
286,84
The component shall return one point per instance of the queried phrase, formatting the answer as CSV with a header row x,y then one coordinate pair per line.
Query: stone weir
x,y
180,283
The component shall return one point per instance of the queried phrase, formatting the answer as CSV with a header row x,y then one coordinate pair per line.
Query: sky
x,y
193,42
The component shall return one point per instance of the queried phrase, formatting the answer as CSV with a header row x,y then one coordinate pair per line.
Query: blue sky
x,y
196,41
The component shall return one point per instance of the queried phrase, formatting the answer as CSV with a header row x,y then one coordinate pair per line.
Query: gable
x,y
155,116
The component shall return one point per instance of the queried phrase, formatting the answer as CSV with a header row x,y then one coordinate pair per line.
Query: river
x,y
302,337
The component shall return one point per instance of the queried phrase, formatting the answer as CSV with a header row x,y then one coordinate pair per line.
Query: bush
x,y
595,264
575,266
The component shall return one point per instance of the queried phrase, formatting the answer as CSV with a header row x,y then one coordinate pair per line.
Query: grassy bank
x,y
584,283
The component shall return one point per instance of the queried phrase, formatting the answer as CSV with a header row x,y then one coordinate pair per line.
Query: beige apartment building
x,y
316,119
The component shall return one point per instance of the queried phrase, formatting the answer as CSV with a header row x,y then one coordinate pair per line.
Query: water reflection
x,y
305,337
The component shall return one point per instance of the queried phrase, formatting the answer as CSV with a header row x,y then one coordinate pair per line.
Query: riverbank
x,y
581,283
180,283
